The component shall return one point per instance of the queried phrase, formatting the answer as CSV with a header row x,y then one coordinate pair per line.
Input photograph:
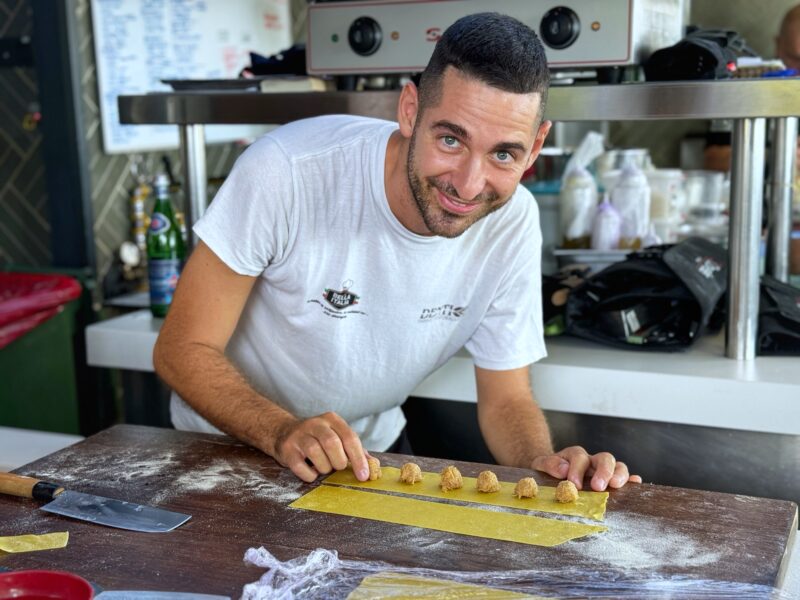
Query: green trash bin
x,y
37,368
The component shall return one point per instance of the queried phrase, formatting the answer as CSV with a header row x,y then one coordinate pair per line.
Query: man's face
x,y
468,153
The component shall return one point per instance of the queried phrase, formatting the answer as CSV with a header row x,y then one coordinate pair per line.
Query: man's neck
x,y
398,190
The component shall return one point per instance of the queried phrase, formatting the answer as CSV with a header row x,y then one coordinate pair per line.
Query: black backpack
x,y
778,318
659,298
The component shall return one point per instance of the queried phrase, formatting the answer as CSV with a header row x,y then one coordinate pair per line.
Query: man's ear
x,y
407,109
541,136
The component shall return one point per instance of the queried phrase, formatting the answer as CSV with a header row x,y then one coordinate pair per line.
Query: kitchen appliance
x,y
88,507
398,36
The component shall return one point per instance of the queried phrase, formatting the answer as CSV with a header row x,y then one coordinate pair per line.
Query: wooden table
x,y
238,499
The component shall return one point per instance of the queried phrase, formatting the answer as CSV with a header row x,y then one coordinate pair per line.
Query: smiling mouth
x,y
453,205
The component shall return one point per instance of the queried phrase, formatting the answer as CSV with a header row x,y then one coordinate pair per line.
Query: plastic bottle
x,y
577,206
165,250
631,197
606,227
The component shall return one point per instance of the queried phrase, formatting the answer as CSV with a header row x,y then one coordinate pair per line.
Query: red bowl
x,y
44,585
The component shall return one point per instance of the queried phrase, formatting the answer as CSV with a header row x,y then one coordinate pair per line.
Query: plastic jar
x,y
577,206
668,205
631,197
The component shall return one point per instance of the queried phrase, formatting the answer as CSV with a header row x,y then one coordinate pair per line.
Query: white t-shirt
x,y
351,310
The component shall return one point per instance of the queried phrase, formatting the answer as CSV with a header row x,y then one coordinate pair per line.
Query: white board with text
x,y
140,42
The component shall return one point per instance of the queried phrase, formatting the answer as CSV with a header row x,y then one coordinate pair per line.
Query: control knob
x,y
365,36
560,27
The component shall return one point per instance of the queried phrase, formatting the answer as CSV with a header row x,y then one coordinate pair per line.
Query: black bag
x,y
702,54
555,291
778,318
660,298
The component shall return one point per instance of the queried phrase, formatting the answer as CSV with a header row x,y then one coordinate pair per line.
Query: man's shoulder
x,y
522,210
505,231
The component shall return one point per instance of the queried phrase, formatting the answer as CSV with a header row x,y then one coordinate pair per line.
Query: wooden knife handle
x,y
28,487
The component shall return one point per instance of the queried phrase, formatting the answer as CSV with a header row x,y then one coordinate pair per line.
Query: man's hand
x,y
574,463
319,445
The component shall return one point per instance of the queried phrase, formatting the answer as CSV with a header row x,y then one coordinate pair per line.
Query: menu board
x,y
140,42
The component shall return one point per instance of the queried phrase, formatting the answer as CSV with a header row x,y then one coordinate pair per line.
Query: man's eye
x,y
504,156
449,140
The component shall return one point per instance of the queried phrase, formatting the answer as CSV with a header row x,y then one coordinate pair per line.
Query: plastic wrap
x,y
323,575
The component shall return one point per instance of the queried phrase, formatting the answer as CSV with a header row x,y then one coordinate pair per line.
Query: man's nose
x,y
470,178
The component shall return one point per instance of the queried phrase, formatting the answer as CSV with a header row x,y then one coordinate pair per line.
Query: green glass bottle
x,y
165,250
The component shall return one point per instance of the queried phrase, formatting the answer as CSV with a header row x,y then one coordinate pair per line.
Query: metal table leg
x,y
747,184
783,162
193,155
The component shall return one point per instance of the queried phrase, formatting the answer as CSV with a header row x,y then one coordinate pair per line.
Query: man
x,y
346,258
787,42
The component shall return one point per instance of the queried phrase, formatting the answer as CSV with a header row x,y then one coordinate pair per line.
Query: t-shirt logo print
x,y
338,304
446,312
343,298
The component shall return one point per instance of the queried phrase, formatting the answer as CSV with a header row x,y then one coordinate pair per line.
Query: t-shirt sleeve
x,y
249,224
511,334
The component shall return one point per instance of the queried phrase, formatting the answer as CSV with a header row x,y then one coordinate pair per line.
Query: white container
x,y
705,188
631,197
615,160
667,196
577,205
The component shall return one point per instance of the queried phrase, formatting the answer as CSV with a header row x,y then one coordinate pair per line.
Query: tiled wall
x,y
24,226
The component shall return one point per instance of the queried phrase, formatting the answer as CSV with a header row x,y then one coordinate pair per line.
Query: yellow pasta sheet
x,y
591,505
505,526
31,542
396,586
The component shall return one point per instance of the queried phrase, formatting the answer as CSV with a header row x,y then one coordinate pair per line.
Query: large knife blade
x,y
92,508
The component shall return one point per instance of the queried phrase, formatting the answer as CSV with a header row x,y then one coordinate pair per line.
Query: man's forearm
x,y
207,381
515,431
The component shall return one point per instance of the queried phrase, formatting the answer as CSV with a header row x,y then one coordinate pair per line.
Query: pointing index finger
x,y
354,450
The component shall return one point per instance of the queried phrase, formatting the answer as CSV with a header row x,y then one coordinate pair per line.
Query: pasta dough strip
x,y
590,505
509,527
399,586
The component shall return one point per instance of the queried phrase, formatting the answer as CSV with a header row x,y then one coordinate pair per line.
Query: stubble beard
x,y
437,220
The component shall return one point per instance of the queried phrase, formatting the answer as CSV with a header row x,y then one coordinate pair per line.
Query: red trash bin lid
x,y
27,299
24,294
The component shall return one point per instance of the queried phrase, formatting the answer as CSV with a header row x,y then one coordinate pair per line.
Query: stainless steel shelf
x,y
624,102
747,102
223,108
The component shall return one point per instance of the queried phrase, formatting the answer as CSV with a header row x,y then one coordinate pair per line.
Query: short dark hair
x,y
495,49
